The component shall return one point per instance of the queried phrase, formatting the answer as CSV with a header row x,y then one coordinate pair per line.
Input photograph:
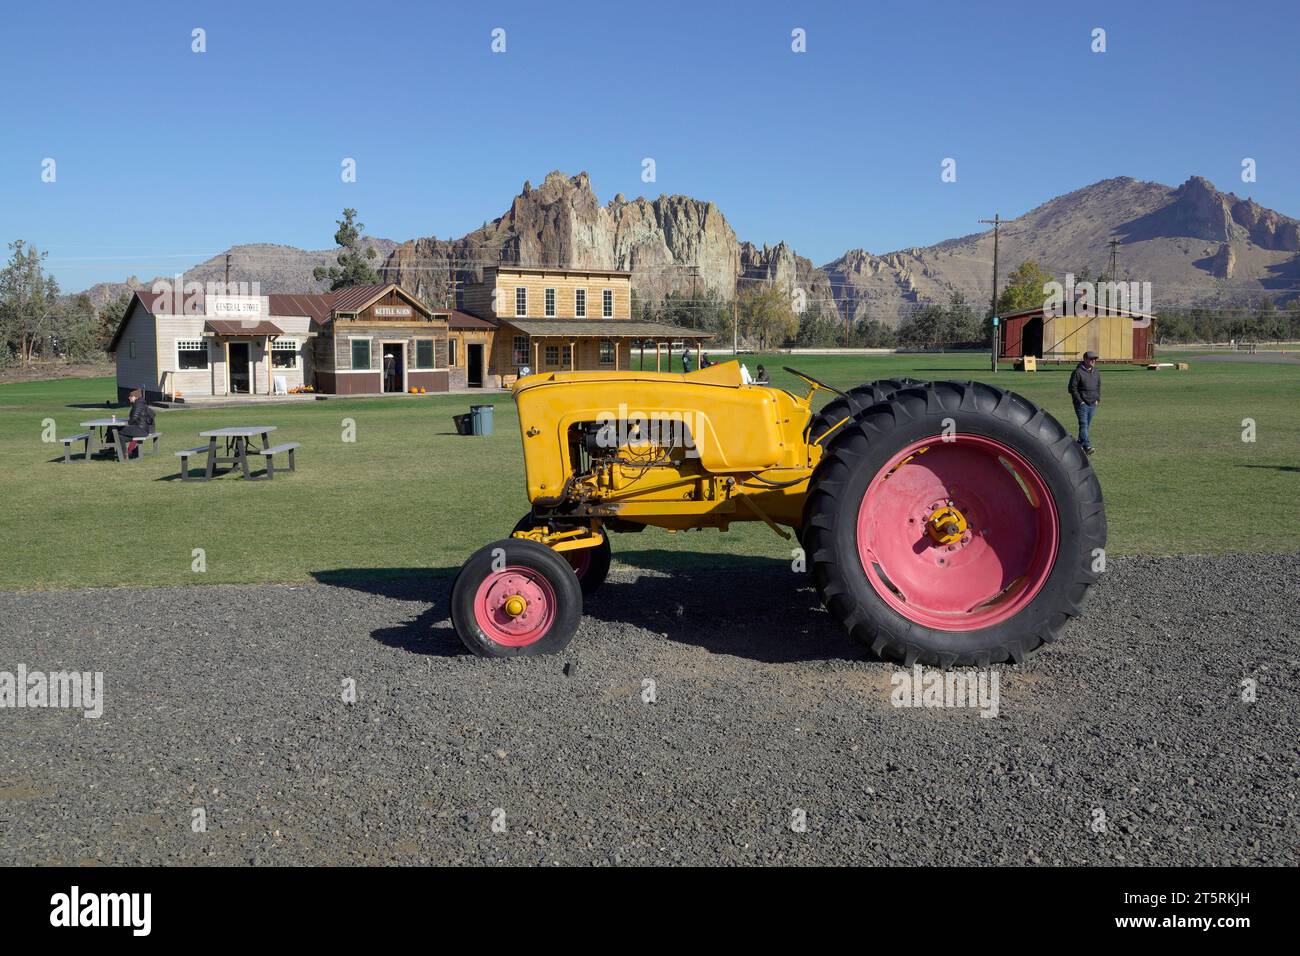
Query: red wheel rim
x,y
1000,561
501,592
580,560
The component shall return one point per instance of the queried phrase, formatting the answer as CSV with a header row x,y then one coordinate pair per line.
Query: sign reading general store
x,y
234,306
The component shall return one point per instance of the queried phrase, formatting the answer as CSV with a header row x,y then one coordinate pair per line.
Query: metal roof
x,y
1096,312
314,305
457,319
354,298
604,329
236,327
558,270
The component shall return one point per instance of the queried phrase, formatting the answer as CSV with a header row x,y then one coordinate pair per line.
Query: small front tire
x,y
515,598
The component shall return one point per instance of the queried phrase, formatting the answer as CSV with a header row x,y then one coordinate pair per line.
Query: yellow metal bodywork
x,y
746,459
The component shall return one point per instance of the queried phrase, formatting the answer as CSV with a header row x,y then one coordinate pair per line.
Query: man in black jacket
x,y
1085,391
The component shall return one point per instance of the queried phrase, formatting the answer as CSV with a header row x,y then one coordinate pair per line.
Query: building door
x,y
474,366
1032,338
394,367
239,368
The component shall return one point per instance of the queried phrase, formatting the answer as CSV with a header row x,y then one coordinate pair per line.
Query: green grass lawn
x,y
410,495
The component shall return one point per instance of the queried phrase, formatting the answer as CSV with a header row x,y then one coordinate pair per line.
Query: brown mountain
x,y
275,268
1196,245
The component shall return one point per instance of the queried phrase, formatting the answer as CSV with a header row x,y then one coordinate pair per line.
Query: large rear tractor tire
x,y
860,398
954,523
591,565
515,598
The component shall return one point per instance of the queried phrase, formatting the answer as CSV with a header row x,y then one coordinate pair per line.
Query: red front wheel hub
x,y
515,606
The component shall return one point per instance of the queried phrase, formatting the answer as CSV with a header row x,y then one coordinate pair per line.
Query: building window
x,y
550,302
284,353
606,352
580,303
607,303
552,355
451,352
424,353
521,301
191,353
567,356
361,355
520,350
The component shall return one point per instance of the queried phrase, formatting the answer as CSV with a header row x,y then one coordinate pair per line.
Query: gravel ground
x,y
762,709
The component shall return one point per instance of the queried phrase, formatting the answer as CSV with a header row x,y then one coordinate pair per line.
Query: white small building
x,y
211,346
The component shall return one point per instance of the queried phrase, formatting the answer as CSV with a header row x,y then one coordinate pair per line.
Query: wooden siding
x,y
586,357
477,297
142,370
214,380
340,359
458,371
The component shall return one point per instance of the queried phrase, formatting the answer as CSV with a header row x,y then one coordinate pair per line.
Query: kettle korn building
x,y
360,340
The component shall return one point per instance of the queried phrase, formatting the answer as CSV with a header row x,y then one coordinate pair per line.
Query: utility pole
x,y
695,313
995,222
227,273
452,287
735,328
1113,269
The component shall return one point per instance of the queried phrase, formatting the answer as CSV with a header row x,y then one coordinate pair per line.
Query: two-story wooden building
x,y
552,319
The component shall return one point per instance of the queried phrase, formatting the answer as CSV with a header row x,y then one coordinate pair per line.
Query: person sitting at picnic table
x,y
139,422
705,361
762,378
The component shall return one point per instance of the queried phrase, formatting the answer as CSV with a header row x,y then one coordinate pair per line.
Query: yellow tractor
x,y
943,523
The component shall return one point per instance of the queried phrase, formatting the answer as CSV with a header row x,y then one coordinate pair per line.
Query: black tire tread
x,y
861,613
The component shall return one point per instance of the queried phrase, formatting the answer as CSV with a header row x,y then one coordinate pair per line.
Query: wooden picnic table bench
x,y
69,440
184,455
269,454
120,443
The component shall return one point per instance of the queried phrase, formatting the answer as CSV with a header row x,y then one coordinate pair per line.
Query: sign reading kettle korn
x,y
392,311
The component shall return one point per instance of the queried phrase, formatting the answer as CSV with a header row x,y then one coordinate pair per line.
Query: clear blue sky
x,y
165,157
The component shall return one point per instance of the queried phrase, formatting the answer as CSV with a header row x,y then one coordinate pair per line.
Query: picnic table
x,y
99,441
237,450
101,425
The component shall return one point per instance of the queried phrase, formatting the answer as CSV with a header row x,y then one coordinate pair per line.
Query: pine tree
x,y
353,266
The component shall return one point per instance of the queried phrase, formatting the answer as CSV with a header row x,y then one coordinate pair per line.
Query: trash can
x,y
480,419
462,424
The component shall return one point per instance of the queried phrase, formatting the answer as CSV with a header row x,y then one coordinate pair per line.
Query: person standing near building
x,y
390,373
1085,392
686,359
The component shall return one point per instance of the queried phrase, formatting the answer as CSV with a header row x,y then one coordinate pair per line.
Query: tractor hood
x,y
724,374
735,428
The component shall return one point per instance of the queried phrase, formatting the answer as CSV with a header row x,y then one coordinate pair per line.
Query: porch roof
x,y
235,327
603,329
